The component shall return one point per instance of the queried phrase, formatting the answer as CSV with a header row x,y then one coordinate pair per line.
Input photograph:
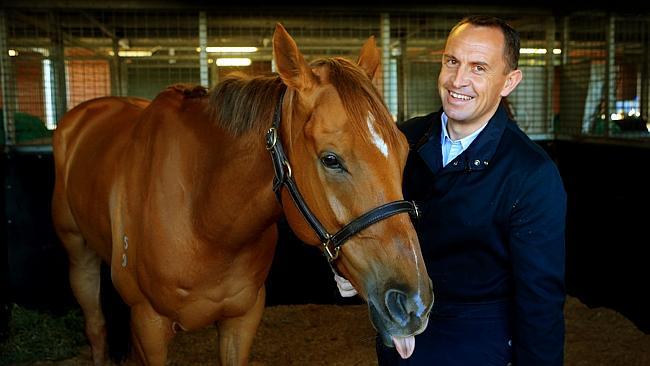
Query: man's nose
x,y
460,77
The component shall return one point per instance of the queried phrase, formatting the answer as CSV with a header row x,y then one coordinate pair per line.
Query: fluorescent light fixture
x,y
533,51
233,61
42,51
134,53
48,89
231,49
131,53
538,51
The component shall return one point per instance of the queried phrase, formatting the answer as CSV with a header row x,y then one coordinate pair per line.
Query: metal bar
x,y
644,96
116,69
203,44
388,73
565,40
57,57
610,71
351,43
550,74
402,76
8,84
214,74
124,78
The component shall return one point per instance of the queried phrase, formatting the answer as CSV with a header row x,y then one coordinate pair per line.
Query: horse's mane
x,y
240,103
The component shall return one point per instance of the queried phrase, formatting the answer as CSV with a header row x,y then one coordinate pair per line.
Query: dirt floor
x,y
342,335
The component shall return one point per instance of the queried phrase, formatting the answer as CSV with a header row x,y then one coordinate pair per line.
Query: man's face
x,y
473,77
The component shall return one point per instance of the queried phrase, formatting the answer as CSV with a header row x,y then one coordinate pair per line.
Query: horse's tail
x,y
118,319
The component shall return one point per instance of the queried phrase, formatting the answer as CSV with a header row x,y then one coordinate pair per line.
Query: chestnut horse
x,y
177,196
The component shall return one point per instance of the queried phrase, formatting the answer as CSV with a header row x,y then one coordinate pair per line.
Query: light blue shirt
x,y
452,148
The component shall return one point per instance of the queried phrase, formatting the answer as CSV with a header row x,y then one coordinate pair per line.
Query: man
x,y
493,215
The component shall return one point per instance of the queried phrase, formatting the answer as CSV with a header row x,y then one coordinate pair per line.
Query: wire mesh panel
x,y
85,78
630,87
247,38
604,77
24,95
585,74
582,93
416,43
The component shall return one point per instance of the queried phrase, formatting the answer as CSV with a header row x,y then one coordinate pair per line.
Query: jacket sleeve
x,y
537,246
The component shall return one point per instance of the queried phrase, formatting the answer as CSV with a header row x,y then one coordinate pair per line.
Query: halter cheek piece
x,y
331,243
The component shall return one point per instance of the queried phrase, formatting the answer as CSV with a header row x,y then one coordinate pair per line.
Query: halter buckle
x,y
271,138
331,253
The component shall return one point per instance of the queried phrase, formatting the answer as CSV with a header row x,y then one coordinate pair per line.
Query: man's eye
x,y
331,161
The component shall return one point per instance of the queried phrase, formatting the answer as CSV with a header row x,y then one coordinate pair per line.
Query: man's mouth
x,y
460,96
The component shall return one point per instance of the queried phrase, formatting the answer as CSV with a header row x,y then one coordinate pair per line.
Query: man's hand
x,y
345,287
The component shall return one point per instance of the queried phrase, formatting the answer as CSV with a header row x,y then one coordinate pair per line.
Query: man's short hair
x,y
510,35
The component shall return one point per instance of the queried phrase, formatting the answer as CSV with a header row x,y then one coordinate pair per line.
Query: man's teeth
x,y
460,96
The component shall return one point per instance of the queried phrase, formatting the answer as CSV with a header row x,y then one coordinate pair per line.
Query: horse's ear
x,y
369,59
290,63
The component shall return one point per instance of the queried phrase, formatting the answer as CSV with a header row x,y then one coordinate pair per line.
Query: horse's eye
x,y
331,161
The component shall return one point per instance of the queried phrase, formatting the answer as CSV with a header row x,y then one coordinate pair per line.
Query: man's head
x,y
479,67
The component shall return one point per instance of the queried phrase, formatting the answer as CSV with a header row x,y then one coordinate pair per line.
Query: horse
x,y
180,196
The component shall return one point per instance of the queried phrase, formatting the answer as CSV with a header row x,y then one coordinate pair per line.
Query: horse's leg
x,y
84,269
83,266
236,334
152,333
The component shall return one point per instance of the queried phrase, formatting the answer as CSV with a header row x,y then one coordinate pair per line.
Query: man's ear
x,y
512,80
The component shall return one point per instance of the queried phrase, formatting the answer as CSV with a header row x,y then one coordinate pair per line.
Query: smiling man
x,y
493,214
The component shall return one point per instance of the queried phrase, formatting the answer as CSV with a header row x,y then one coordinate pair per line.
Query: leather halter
x,y
283,177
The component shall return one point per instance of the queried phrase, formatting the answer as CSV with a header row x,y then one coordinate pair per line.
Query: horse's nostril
x,y
396,303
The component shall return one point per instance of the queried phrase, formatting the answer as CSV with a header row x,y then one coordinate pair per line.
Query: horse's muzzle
x,y
398,314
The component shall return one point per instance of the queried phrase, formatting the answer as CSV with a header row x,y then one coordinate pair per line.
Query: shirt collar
x,y
479,154
465,141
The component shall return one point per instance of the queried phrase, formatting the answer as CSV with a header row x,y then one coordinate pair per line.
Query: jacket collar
x,y
478,155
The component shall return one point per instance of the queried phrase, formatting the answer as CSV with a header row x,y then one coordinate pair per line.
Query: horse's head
x,y
347,158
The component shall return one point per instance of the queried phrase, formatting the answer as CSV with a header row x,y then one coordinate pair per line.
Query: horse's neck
x,y
235,198
228,178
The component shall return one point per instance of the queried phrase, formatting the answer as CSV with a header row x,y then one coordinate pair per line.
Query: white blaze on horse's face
x,y
376,138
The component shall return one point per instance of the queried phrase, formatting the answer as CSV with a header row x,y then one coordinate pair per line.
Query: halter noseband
x,y
283,177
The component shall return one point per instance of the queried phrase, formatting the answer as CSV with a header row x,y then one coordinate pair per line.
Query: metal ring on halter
x,y
286,163
331,255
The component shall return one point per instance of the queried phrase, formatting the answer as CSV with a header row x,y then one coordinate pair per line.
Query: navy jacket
x,y
492,229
